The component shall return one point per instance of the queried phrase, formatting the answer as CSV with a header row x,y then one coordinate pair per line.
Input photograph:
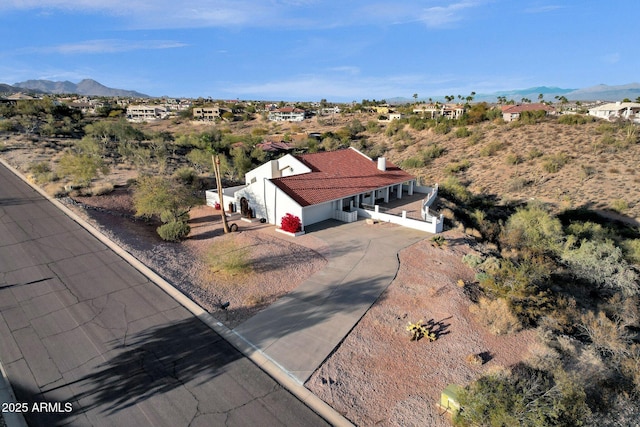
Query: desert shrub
x,y
42,173
632,250
412,163
574,119
604,128
532,117
442,128
496,315
512,159
608,336
586,171
291,223
455,167
474,139
432,152
517,184
102,189
472,260
620,205
453,188
523,397
462,132
173,231
81,168
228,257
588,230
553,163
515,279
602,264
532,229
534,153
186,175
491,149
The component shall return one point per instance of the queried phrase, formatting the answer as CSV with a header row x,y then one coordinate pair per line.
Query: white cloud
x,y
107,46
160,14
442,16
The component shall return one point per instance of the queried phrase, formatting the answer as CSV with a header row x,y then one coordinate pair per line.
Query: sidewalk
x,y
301,330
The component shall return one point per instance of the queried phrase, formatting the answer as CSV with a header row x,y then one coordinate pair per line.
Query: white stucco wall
x,y
317,213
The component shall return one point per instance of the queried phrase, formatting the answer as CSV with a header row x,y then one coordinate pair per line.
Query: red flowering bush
x,y
291,223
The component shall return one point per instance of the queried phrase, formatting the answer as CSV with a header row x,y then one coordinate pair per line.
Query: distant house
x,y
513,112
211,112
145,113
315,186
287,114
617,110
433,111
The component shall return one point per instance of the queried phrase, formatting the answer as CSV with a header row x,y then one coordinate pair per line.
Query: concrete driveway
x,y
301,330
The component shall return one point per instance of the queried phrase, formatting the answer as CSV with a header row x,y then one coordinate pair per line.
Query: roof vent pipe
x,y
382,163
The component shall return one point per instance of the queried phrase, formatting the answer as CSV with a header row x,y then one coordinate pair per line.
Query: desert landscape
x,y
486,172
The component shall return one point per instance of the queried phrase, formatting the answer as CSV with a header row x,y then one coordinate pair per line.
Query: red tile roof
x,y
338,174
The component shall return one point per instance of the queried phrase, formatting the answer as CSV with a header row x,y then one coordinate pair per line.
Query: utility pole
x,y
216,171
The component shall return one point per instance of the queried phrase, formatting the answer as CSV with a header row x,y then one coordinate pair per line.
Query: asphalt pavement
x,y
86,339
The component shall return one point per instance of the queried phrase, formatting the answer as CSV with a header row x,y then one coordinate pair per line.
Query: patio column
x,y
357,200
399,191
411,187
386,195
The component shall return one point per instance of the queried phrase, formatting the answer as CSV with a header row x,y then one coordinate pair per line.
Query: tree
x,y
82,168
415,96
533,229
164,198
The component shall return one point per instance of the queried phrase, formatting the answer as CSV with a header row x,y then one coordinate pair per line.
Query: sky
x,y
308,50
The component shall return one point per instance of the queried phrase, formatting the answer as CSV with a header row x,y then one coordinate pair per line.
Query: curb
x,y
236,340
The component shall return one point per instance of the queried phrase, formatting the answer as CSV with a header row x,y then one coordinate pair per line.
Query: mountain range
x,y
600,92
87,87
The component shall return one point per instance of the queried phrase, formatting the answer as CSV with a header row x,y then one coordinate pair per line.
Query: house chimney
x,y
382,163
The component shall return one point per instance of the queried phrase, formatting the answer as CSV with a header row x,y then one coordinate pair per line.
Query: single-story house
x,y
314,186
617,110
512,112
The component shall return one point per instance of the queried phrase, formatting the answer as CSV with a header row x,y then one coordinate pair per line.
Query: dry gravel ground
x,y
377,375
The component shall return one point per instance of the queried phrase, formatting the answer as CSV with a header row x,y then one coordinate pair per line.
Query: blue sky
x,y
310,49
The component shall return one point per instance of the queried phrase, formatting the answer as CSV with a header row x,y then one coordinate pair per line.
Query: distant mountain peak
x,y
87,87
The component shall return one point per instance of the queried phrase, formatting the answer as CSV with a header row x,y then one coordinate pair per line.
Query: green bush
x,y
555,162
491,149
523,397
442,128
173,231
534,153
452,187
602,264
462,132
455,167
532,229
432,152
574,119
412,163
620,205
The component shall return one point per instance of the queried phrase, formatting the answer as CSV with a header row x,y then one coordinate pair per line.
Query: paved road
x,y
302,328
79,325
